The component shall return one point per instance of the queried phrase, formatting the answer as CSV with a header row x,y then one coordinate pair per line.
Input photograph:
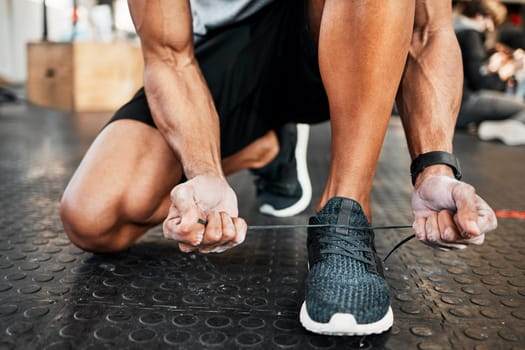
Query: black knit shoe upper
x,y
345,273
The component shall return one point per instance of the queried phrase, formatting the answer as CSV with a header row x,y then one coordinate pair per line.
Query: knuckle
x,y
169,228
468,189
445,215
229,234
175,192
183,230
214,235
180,192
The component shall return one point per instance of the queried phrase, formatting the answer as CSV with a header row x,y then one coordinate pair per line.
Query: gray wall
x,y
20,22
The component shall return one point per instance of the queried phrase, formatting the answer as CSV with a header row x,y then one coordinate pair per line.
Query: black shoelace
x,y
346,245
334,239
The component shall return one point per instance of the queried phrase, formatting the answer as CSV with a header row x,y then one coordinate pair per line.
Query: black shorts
x,y
262,72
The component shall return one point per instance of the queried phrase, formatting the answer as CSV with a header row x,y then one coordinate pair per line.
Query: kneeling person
x,y
220,90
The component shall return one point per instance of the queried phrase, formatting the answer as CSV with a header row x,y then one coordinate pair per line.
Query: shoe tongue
x,y
342,211
339,211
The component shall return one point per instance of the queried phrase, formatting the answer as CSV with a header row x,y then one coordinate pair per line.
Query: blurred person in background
x,y
492,94
511,32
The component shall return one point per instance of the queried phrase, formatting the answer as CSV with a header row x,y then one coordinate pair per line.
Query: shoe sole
x,y
303,133
341,324
510,132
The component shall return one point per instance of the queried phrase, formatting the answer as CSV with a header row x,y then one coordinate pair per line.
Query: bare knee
x,y
90,228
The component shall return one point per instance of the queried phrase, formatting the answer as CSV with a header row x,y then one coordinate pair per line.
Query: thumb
x,y
466,217
187,229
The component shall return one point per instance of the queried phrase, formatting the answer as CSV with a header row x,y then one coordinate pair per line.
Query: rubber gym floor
x,y
55,296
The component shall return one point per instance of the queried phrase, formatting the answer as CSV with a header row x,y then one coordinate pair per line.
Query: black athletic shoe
x,y
283,186
346,292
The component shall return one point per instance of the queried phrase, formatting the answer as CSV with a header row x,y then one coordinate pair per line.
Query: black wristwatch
x,y
432,158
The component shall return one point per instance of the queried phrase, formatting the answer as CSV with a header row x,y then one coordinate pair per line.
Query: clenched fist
x,y
206,198
449,214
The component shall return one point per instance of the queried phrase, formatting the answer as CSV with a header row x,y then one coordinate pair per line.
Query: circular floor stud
x,y
177,337
142,335
248,339
214,338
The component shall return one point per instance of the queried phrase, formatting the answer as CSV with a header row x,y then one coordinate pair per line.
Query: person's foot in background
x,y
511,132
283,186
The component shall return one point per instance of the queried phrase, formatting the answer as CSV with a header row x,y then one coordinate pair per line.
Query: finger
x,y
464,196
188,229
213,232
240,234
447,227
447,246
168,226
182,197
228,235
221,249
478,240
185,228
228,229
240,231
419,228
432,228
186,248
487,220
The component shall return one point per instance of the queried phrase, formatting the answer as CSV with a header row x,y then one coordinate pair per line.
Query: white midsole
x,y
303,133
346,324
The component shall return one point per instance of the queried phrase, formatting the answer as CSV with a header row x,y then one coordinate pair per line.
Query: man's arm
x,y
177,93
430,93
184,112
428,100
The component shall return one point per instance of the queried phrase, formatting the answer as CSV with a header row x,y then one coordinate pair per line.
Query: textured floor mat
x,y
55,296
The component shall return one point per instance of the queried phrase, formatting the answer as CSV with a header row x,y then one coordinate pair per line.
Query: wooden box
x,y
84,76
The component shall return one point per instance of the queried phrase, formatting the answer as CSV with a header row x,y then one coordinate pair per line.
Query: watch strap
x,y
425,160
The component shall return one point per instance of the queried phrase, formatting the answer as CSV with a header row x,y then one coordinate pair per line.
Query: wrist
x,y
202,168
434,170
435,163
